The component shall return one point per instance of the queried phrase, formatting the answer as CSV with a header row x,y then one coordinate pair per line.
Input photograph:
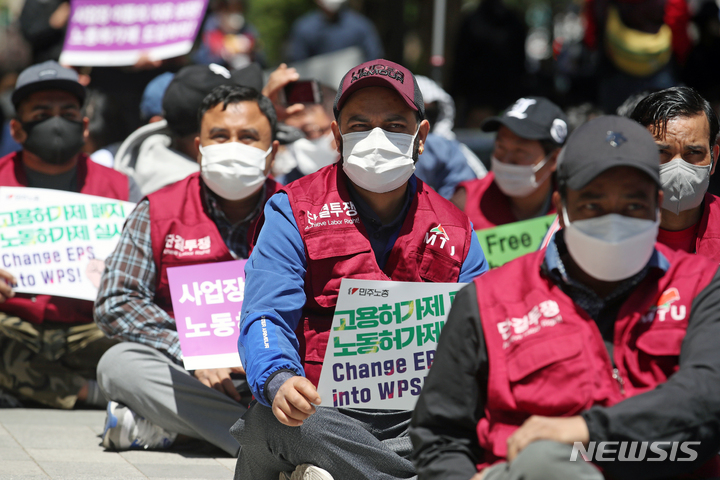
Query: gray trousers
x,y
350,444
544,460
151,385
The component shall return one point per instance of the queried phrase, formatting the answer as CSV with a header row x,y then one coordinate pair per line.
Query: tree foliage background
x,y
273,19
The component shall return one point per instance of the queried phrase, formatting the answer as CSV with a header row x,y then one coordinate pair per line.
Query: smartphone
x,y
302,91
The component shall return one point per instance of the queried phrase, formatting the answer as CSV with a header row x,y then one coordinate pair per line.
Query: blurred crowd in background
x,y
587,56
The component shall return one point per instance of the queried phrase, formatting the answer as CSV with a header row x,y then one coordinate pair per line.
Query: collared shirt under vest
x,y
179,213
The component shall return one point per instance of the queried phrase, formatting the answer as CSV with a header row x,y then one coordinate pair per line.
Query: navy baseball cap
x,y
604,143
48,75
380,73
151,102
533,118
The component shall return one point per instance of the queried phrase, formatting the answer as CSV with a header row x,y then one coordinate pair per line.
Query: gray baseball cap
x,y
604,143
47,76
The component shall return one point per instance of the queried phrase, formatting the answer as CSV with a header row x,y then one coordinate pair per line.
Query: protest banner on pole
x,y
207,303
382,342
121,32
55,242
508,242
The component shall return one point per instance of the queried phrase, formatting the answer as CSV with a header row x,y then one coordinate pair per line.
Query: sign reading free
x,y
382,342
508,242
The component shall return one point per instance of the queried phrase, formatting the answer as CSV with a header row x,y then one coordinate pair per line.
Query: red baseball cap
x,y
380,73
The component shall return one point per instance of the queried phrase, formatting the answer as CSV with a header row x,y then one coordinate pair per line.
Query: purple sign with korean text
x,y
207,301
121,32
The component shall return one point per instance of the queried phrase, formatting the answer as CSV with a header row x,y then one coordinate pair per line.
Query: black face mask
x,y
55,140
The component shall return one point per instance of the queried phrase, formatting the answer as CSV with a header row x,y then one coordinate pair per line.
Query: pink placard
x,y
121,32
207,301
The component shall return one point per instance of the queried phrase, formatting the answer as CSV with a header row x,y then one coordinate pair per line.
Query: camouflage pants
x,y
48,363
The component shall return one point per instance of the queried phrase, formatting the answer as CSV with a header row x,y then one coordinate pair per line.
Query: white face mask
x,y
612,247
233,170
332,5
377,160
518,180
684,184
312,155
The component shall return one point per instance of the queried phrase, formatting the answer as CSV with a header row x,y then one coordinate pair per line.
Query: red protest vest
x,y
432,244
486,205
183,234
547,357
93,179
708,239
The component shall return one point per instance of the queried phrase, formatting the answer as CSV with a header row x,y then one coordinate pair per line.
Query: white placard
x,y
55,242
382,342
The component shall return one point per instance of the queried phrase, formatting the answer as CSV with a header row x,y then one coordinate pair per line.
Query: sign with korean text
x,y
121,32
207,302
382,342
55,242
508,242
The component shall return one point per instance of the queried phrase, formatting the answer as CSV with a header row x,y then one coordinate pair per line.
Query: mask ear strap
x,y
566,219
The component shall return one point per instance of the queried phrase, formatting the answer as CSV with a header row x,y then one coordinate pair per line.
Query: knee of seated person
x,y
259,424
113,365
545,459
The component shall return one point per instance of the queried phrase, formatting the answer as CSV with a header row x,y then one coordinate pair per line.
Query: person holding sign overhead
x,y
519,185
365,217
602,339
210,216
50,345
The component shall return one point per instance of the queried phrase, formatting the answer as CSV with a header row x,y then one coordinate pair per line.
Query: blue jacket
x,y
275,294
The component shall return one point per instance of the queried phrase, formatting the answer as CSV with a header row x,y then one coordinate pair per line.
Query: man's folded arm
x,y
274,299
444,425
685,408
125,307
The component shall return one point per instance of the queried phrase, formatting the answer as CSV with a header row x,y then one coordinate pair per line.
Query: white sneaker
x,y
307,472
125,430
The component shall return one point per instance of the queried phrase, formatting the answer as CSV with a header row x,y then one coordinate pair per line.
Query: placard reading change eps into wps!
x,y
382,342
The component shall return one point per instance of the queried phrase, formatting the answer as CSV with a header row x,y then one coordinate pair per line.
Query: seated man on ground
x,y
605,336
519,185
49,346
685,128
294,274
153,397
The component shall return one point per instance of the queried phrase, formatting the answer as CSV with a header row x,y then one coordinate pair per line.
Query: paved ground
x,y
40,444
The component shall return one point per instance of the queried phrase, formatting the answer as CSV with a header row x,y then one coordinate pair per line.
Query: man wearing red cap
x,y
382,214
